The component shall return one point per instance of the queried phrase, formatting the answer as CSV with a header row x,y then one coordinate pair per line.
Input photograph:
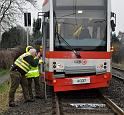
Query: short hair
x,y
32,52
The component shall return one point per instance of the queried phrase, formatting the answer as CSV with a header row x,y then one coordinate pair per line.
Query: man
x,y
34,74
20,67
84,34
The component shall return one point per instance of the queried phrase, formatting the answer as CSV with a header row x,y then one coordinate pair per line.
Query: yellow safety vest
x,y
34,72
40,61
20,62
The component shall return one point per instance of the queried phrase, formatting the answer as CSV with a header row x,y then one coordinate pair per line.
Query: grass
x,y
3,71
4,92
4,89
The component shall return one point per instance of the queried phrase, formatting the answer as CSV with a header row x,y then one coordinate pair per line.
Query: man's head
x,y
33,52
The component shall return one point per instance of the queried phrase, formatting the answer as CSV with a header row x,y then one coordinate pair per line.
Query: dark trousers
x,y
16,79
36,85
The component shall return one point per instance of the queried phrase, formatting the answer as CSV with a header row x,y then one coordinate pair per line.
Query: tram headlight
x,y
54,64
59,68
105,65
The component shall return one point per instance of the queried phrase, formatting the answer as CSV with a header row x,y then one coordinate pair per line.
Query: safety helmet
x,y
41,48
28,48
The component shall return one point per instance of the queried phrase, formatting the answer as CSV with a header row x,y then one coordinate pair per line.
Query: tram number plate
x,y
80,80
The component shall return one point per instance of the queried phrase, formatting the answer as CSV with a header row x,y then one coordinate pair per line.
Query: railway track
x,y
71,105
96,105
118,68
58,112
118,73
116,109
100,105
86,102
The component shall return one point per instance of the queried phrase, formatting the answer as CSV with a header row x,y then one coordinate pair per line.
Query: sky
x,y
118,7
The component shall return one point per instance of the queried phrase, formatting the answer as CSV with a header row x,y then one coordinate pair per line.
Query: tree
x,y
33,2
10,10
36,29
14,37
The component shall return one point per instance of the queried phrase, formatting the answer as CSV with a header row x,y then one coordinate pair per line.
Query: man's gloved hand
x,y
38,55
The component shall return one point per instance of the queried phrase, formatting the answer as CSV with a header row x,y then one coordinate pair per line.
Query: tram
x,y
77,43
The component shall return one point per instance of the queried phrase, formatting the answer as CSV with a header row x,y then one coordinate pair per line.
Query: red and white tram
x,y
77,44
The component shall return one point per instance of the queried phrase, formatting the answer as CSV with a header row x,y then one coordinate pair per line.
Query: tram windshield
x,y
81,23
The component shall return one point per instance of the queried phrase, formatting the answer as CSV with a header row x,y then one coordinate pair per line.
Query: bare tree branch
x,y
12,10
2,5
33,2
5,9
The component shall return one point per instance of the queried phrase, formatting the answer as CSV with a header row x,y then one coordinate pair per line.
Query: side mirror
x,y
113,25
113,21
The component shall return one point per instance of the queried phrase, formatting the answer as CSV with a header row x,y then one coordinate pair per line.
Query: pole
x,y
27,36
44,55
27,23
0,32
27,30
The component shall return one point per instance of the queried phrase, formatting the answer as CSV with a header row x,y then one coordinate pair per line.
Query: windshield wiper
x,y
70,47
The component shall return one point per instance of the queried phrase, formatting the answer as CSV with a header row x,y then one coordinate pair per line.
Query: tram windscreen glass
x,y
82,23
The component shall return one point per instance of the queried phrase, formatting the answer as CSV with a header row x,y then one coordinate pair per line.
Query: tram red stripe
x,y
85,55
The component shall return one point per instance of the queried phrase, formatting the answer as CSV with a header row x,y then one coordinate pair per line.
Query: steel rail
x,y
118,68
113,106
57,105
116,75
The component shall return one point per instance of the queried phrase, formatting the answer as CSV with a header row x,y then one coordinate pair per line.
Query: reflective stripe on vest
x,y
34,72
20,62
40,61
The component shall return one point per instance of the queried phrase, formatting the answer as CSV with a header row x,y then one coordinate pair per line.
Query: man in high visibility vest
x,y
34,74
18,70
